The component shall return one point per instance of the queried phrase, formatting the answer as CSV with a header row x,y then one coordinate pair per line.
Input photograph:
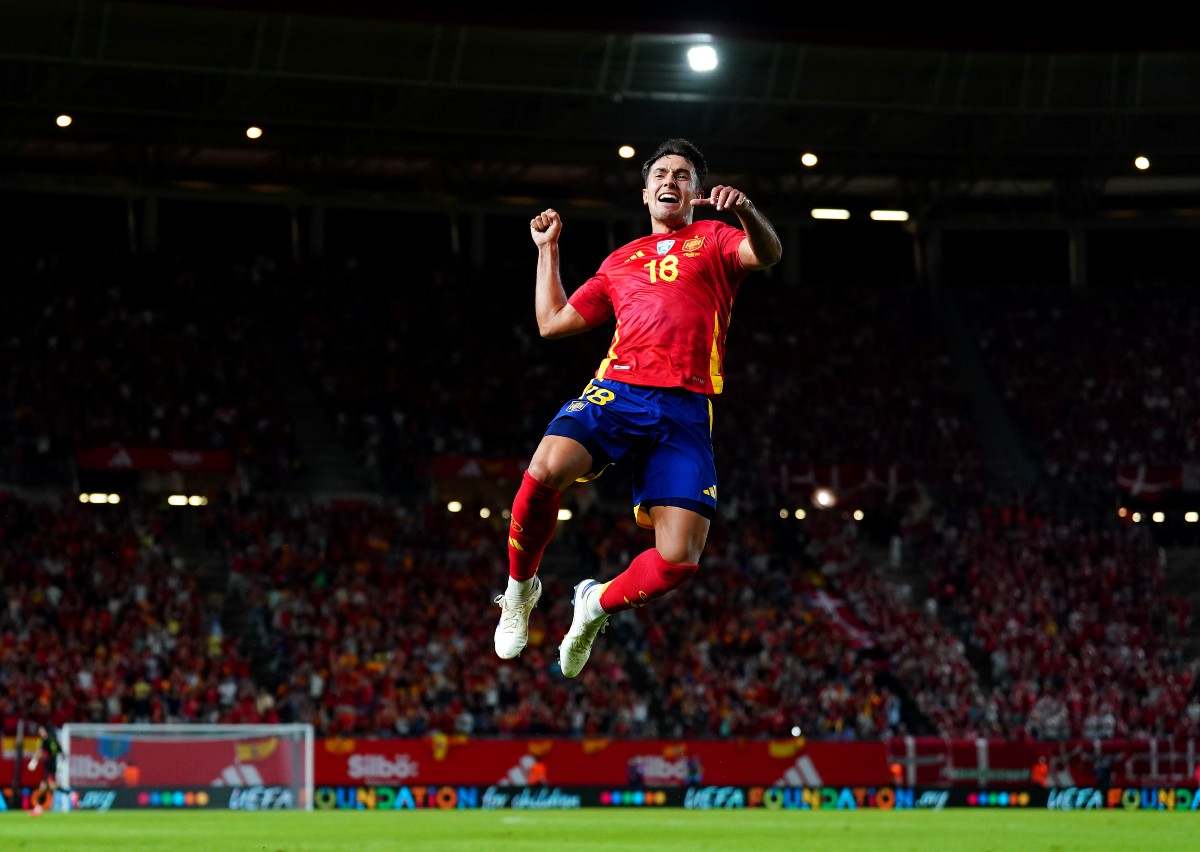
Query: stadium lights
x,y
63,120
187,500
800,514
702,58
1191,517
1122,512
808,158
99,498
783,513
485,513
858,514
1141,163
824,498
626,152
565,514
253,132
876,215
1136,517
1158,517
454,506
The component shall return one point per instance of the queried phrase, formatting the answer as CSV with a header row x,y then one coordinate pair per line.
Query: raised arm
x,y
555,316
761,249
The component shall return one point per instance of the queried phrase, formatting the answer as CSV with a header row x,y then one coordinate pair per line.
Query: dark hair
x,y
680,148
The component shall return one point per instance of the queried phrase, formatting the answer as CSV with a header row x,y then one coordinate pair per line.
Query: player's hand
x,y
723,198
32,765
545,227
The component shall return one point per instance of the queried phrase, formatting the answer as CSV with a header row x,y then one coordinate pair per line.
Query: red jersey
x,y
672,296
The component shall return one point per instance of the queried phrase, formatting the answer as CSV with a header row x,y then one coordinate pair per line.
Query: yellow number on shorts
x,y
597,395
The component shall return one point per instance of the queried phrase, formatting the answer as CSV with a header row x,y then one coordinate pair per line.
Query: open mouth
x,y
668,198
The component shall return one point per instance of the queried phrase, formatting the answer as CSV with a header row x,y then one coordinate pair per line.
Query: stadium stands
x,y
949,610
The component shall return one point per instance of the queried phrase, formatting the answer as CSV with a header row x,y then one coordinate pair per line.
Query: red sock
x,y
534,515
648,576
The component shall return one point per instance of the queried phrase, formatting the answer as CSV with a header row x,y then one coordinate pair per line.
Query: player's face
x,y
670,188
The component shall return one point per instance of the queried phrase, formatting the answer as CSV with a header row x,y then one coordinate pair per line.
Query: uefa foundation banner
x,y
736,797
447,797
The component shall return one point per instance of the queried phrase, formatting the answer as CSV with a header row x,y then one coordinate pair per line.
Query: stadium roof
x,y
446,102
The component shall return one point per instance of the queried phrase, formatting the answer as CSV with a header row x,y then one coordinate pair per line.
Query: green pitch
x,y
956,830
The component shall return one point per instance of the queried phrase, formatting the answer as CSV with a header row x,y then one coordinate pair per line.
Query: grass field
x,y
960,830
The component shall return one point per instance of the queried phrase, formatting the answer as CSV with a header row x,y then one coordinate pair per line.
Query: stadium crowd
x,y
368,616
104,621
1078,635
140,353
1096,379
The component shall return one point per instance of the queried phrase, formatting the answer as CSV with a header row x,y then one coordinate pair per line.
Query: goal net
x,y
250,767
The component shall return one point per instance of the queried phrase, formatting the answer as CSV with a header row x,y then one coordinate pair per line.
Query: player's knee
x,y
559,461
547,474
679,551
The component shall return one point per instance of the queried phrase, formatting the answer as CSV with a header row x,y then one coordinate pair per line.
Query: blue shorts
x,y
665,432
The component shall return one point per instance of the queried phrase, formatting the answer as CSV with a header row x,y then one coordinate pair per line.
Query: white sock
x,y
592,599
519,588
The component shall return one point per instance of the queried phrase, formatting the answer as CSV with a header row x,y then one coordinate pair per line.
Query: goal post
x,y
243,767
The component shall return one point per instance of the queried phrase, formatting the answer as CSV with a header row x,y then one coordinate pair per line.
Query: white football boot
x,y
512,633
576,646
